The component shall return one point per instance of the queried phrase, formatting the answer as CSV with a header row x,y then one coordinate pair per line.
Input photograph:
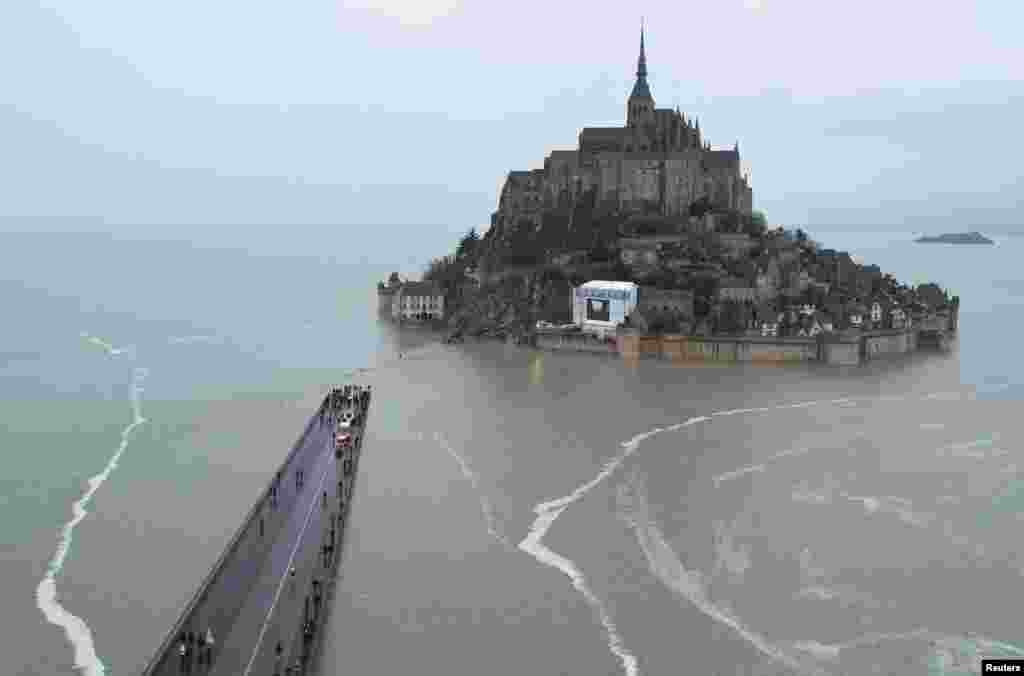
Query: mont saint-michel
x,y
644,239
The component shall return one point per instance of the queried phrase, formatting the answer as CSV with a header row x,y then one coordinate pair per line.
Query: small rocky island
x,y
652,208
955,238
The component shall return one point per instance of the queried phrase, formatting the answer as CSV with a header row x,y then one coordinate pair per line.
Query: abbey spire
x,y
640,108
640,89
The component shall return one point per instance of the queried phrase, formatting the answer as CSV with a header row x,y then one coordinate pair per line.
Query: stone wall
x,y
718,349
837,350
879,345
384,301
842,353
576,342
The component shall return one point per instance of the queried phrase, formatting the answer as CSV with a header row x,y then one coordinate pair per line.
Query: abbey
x,y
657,163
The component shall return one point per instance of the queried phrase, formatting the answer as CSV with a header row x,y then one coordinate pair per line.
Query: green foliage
x,y
755,225
468,245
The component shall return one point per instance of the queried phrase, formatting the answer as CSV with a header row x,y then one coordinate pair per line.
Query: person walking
x,y
200,649
209,646
291,582
182,655
188,652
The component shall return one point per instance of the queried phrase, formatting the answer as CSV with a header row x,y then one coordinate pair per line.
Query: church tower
x,y
640,107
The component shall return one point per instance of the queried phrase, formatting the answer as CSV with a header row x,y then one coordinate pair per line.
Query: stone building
x,y
418,301
734,289
677,301
658,163
736,245
639,254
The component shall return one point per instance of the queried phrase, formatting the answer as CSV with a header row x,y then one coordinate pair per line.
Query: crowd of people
x,y
348,398
350,402
195,648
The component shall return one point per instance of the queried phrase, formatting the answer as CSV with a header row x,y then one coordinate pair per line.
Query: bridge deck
x,y
249,601
254,630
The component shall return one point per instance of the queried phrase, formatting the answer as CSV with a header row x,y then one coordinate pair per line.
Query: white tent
x,y
599,306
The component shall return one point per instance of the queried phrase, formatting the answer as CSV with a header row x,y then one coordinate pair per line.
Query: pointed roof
x,y
640,89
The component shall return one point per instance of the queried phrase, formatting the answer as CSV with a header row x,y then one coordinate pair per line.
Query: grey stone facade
x,y
658,163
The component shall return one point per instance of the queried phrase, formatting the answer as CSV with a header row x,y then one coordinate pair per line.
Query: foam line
x,y
760,467
532,544
666,566
736,473
474,479
548,512
99,342
190,340
75,628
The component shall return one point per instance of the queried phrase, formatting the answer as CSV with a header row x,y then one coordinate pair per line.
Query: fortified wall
x,y
835,349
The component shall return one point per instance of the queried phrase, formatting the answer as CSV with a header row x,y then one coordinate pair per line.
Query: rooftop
x,y
420,289
620,286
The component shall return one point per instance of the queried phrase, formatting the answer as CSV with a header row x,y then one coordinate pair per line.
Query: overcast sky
x,y
117,113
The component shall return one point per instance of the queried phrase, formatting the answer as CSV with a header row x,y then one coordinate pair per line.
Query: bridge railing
x,y
165,650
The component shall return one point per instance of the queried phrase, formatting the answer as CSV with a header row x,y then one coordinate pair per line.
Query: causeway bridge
x,y
262,608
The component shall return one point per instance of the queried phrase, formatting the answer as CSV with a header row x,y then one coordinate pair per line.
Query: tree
x,y
755,225
468,245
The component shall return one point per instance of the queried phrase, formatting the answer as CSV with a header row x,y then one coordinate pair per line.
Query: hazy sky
x,y
116,113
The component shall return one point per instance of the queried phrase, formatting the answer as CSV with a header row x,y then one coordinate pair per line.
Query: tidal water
x,y
518,512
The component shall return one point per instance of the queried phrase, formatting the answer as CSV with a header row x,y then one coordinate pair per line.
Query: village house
x,y
736,244
899,319
676,301
418,301
639,253
767,320
857,316
868,277
783,249
876,312
931,295
577,256
767,277
735,289
837,268
812,323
